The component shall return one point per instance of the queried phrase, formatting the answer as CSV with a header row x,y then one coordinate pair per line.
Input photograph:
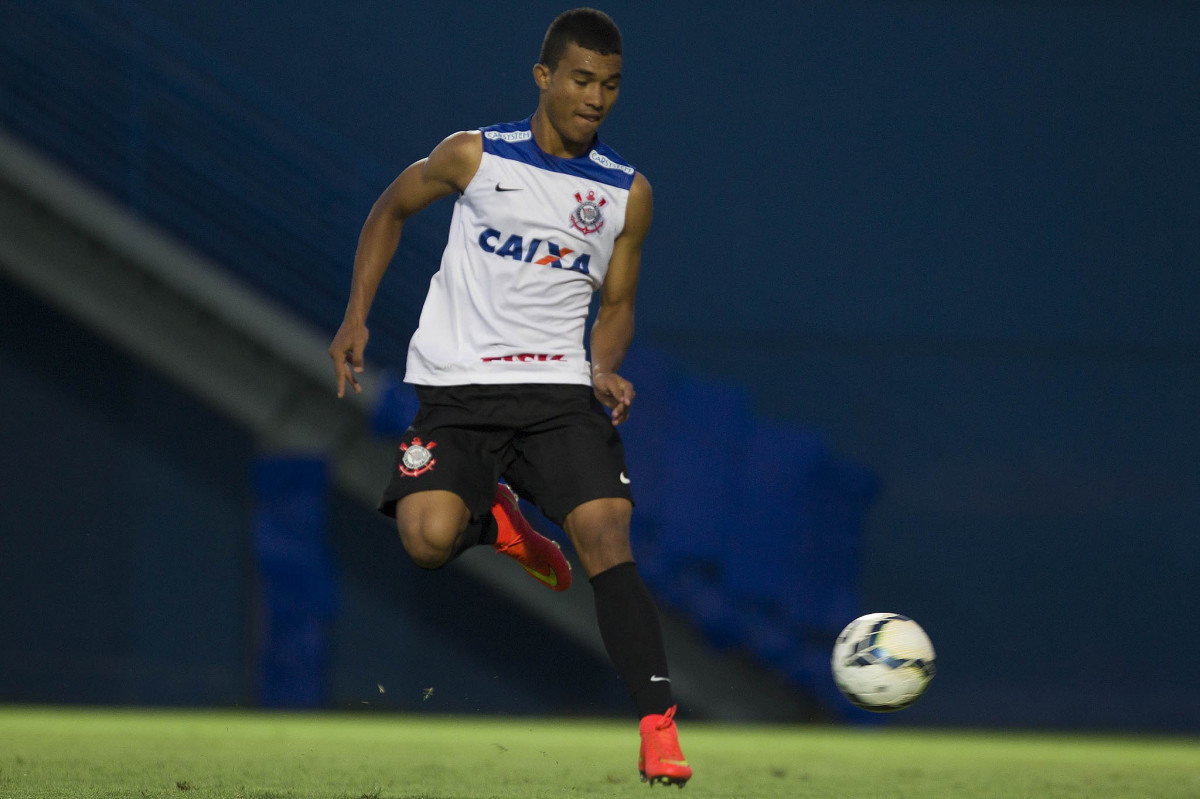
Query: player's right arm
x,y
448,169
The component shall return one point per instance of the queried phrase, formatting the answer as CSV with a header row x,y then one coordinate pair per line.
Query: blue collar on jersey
x,y
514,140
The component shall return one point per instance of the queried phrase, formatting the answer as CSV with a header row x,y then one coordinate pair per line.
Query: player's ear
x,y
541,76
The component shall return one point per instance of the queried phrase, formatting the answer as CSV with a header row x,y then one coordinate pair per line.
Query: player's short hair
x,y
590,29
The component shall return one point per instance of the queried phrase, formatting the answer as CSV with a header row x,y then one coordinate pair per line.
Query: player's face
x,y
578,94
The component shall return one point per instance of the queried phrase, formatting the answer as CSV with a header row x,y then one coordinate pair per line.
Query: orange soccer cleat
x,y
538,555
661,760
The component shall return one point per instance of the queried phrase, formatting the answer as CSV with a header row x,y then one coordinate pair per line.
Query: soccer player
x,y
546,215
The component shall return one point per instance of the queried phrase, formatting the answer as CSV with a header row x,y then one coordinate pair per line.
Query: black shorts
x,y
554,444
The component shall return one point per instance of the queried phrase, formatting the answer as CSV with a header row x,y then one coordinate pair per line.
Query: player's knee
x,y
602,552
424,553
599,531
429,544
430,524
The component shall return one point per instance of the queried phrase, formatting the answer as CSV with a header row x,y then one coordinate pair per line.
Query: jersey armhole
x,y
483,154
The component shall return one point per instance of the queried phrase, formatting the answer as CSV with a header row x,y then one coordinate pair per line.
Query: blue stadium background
x,y
918,331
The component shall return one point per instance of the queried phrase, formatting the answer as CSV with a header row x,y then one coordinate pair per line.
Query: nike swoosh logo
x,y
549,578
656,678
506,188
624,479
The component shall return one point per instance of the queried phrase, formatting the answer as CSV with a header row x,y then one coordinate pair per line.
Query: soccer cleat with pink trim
x,y
538,555
661,760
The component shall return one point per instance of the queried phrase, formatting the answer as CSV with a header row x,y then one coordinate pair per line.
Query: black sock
x,y
479,531
632,634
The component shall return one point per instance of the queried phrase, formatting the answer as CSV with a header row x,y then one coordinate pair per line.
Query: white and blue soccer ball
x,y
882,662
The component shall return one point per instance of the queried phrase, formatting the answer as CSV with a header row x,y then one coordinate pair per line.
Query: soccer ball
x,y
882,662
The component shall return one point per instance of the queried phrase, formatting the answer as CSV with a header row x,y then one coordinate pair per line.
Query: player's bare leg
x,y
431,525
600,532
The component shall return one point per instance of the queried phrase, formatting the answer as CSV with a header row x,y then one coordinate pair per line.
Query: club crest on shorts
x,y
587,216
416,458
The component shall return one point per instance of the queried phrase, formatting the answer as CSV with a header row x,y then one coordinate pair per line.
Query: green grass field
x,y
54,752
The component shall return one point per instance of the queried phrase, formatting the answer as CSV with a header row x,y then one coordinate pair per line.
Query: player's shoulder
x,y
463,143
456,158
641,185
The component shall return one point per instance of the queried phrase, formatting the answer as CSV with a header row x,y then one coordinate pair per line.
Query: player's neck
x,y
550,141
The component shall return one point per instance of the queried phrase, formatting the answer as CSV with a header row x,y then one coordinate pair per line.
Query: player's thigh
x,y
573,457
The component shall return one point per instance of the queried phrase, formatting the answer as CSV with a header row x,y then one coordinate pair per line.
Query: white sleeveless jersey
x,y
530,241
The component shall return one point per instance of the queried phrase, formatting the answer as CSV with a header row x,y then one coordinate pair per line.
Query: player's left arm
x,y
613,331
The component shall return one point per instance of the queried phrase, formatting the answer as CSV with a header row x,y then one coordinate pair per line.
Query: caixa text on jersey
x,y
545,253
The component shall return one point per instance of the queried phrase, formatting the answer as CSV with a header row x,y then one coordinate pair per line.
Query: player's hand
x,y
347,353
615,393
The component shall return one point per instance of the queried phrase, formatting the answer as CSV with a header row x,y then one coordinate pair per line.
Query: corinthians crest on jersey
x,y
588,216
